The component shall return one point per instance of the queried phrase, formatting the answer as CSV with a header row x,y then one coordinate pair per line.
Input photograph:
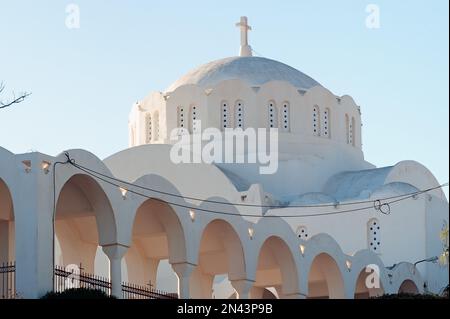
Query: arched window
x,y
316,121
148,128
325,123
272,114
181,119
239,114
156,125
347,128
373,235
132,136
225,115
193,126
352,131
285,117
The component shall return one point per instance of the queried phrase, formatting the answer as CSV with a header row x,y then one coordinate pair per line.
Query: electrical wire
x,y
249,205
377,204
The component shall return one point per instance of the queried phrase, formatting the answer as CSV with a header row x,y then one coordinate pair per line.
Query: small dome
x,y
255,71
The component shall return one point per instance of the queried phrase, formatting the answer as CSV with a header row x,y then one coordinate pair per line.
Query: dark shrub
x,y
78,293
409,296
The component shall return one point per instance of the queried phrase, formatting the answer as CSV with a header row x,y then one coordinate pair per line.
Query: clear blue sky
x,y
84,81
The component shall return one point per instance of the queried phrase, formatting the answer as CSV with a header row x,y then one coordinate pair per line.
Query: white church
x,y
324,224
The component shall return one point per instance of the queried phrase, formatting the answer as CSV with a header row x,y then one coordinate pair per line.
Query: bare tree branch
x,y
15,100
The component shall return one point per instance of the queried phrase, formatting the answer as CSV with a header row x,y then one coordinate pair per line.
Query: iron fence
x,y
65,279
8,280
133,291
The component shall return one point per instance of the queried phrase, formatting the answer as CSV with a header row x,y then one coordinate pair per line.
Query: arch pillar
x,y
183,271
242,288
33,207
295,295
115,253
256,292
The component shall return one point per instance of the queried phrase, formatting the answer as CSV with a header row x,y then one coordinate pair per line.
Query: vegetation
x,y
78,293
411,296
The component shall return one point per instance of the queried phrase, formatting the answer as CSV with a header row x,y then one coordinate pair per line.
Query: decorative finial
x,y
246,50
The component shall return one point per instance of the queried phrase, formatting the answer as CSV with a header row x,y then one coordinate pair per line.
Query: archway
x,y
325,279
157,241
220,254
7,242
368,284
83,219
276,269
7,251
408,287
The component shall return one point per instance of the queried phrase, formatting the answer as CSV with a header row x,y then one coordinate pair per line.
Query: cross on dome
x,y
245,50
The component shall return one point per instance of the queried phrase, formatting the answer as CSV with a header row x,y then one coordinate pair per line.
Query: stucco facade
x,y
311,229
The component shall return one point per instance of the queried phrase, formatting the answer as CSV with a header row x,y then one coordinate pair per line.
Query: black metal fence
x,y
132,291
8,280
66,279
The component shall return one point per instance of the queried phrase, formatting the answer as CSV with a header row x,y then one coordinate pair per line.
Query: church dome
x,y
255,71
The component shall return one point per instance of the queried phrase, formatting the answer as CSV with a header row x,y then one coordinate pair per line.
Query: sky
x,y
84,80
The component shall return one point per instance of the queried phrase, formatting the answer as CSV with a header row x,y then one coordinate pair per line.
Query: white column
x,y
242,288
33,209
115,253
183,271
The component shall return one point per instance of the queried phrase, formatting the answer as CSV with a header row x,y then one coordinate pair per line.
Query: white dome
x,y
255,71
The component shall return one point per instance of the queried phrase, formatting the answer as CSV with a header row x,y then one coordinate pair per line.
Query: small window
x,y
181,119
225,115
148,128
272,115
239,114
302,232
316,121
285,117
326,123
193,125
347,128
156,126
352,131
374,235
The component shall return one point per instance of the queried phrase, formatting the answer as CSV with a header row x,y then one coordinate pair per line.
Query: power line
x,y
249,205
377,205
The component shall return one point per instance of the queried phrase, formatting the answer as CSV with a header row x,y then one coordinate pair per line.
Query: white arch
x,y
323,249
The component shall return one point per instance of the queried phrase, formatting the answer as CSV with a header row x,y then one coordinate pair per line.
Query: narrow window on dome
x,y
148,128
132,136
156,126
347,128
285,117
272,115
193,126
373,235
224,115
239,114
353,131
316,120
325,123
181,121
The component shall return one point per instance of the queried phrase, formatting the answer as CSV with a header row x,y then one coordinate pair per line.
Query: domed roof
x,y
255,71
